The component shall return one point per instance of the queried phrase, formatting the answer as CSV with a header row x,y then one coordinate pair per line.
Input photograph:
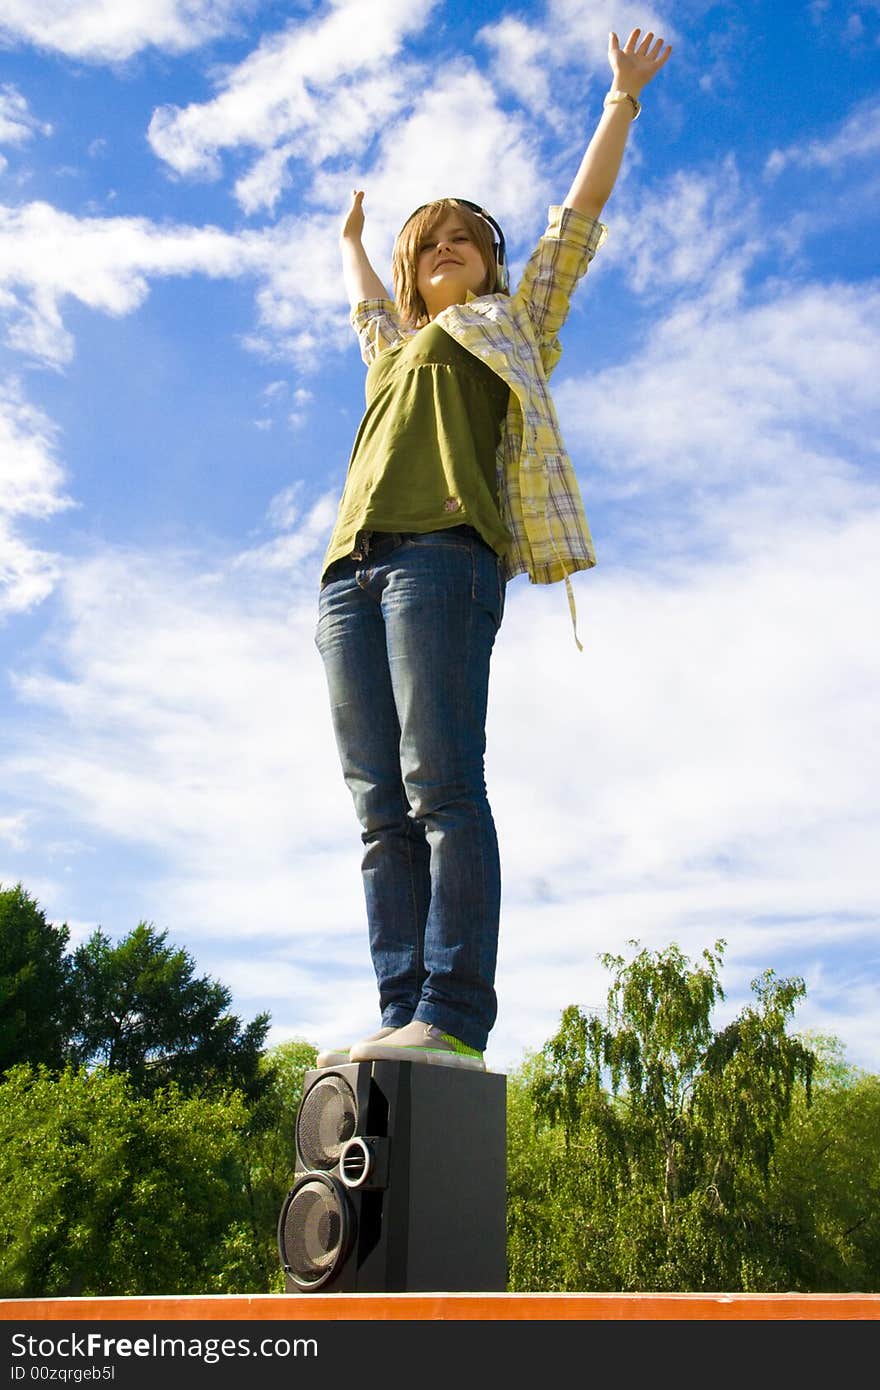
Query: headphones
x,y
502,275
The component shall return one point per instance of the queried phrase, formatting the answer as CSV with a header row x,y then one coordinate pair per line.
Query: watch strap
x,y
616,95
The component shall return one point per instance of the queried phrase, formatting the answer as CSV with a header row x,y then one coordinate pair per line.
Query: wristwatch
x,y
616,95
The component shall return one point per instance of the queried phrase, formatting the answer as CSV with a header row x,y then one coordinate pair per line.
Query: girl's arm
x,y
633,67
361,280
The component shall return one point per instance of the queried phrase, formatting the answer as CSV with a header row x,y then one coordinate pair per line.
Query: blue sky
x,y
179,393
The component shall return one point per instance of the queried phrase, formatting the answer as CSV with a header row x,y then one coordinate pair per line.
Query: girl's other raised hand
x,y
353,226
637,62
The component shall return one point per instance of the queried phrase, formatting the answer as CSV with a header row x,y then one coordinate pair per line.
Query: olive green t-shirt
x,y
424,455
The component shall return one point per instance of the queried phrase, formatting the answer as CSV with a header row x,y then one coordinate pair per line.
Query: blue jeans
x,y
406,634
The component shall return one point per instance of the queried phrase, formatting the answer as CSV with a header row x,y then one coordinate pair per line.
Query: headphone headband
x,y
501,272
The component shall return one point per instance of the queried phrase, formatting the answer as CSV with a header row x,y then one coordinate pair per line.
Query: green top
x,y
424,455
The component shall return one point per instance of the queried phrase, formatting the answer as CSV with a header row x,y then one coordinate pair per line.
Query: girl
x,y
458,480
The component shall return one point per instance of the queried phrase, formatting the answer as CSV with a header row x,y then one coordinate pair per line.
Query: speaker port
x,y
354,1163
363,1162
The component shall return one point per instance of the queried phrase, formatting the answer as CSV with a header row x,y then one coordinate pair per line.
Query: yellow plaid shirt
x,y
518,337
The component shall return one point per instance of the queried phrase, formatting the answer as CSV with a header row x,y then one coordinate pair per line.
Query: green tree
x,y
103,1191
825,1177
268,1161
35,990
560,1210
141,1010
665,1133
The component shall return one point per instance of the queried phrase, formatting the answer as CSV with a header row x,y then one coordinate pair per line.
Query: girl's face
x,y
448,265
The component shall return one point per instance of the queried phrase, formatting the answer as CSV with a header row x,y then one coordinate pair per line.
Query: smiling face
x,y
449,264
443,250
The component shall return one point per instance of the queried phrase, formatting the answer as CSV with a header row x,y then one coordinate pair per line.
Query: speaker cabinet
x,y
400,1181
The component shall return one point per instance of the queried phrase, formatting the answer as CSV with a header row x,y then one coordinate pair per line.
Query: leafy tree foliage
x,y
645,1149
268,1161
659,1136
103,1191
35,991
825,1179
141,1010
150,1146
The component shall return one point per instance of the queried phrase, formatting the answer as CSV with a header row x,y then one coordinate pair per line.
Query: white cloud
x,y
291,549
695,235
30,477
31,488
477,150
13,831
777,400
713,736
301,300
141,679
308,93
284,509
16,122
578,29
304,96
707,770
109,31
194,715
27,574
48,256
105,263
857,138
531,58
472,141
266,180
521,56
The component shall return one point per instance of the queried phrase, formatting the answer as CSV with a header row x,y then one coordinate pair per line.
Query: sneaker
x,y
337,1057
419,1042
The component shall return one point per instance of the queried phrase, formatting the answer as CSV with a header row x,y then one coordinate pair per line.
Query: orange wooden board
x,y
447,1306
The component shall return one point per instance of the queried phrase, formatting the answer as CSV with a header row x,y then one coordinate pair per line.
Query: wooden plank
x,y
447,1307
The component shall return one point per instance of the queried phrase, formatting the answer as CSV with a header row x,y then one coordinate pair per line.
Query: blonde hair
x,y
405,259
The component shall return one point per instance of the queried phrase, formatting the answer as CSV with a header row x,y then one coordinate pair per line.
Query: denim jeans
x,y
406,635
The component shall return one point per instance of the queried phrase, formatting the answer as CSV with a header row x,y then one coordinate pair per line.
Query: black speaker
x,y
400,1181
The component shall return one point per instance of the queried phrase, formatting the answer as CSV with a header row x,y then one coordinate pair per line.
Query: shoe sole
x,y
430,1056
339,1057
333,1059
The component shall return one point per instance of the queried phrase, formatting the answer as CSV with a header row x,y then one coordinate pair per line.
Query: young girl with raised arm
x,y
458,480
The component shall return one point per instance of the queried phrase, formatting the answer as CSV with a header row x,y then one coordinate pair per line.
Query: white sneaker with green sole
x,y
337,1057
419,1042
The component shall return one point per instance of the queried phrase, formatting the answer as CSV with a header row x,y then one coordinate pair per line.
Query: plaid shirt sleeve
x,y
377,325
552,273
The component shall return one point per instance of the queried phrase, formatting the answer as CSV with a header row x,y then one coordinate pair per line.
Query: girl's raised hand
x,y
637,62
353,226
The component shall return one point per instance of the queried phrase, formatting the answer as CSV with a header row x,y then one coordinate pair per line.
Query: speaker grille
x,y
327,1119
315,1230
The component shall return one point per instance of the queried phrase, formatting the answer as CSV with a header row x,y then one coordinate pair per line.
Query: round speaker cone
x,y
315,1230
326,1121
